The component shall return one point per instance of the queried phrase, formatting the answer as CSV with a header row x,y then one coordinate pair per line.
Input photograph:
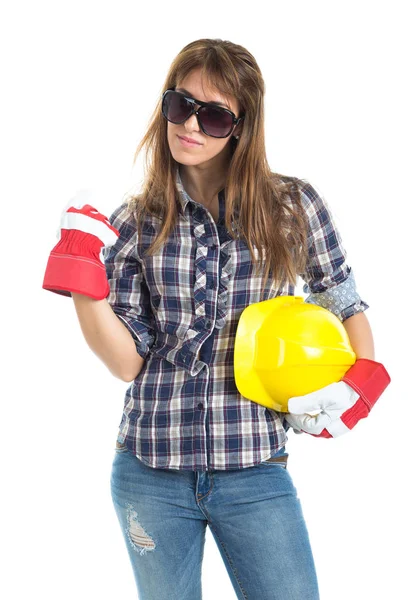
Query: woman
x,y
182,262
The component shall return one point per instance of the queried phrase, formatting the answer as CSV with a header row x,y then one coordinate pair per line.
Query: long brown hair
x,y
269,204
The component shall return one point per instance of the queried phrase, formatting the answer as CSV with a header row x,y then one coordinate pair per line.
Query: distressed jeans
x,y
254,515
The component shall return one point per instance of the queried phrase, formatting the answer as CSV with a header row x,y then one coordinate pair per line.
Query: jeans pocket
x,y
278,459
120,447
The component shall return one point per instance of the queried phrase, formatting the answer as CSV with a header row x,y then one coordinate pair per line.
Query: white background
x,y
80,80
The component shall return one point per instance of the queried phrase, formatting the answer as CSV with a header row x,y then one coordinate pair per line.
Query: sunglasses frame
x,y
201,104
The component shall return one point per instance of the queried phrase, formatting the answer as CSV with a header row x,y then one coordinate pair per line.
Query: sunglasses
x,y
213,120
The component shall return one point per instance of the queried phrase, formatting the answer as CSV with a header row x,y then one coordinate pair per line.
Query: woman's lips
x,y
188,144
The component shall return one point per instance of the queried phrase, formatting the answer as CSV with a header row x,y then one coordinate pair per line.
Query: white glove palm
x,y
330,403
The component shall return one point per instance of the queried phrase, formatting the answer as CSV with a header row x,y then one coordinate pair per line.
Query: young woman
x,y
213,231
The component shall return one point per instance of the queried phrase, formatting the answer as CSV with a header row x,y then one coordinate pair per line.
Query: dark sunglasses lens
x,y
216,122
175,107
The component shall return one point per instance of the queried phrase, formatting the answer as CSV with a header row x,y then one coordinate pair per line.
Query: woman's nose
x,y
192,122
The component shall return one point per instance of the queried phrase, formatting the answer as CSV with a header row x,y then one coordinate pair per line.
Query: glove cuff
x,y
65,274
368,378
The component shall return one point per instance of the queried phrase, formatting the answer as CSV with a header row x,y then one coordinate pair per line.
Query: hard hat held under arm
x,y
290,355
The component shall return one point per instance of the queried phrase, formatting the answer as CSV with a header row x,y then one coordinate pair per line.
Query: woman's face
x,y
208,147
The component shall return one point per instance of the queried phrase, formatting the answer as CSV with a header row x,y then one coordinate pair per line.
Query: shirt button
x,y
200,406
212,284
208,323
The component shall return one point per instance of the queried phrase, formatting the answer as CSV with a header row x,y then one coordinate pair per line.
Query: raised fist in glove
x,y
339,405
76,262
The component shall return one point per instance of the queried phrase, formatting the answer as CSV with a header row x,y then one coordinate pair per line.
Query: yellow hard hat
x,y
285,347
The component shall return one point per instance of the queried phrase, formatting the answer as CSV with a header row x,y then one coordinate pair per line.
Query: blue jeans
x,y
254,515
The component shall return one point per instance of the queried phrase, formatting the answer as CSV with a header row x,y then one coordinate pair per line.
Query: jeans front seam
x,y
226,554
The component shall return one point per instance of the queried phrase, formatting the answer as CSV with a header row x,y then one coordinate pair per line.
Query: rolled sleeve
x,y
129,296
329,280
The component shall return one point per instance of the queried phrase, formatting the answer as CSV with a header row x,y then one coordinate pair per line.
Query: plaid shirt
x,y
182,306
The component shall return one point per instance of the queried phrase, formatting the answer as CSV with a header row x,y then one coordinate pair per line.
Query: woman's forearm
x,y
108,337
360,335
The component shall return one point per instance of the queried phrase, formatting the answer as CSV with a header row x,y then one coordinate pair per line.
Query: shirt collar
x,y
183,195
185,198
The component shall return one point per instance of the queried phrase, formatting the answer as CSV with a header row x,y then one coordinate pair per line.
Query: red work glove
x,y
341,404
76,264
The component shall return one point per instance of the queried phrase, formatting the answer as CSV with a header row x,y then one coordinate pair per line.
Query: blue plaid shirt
x,y
182,306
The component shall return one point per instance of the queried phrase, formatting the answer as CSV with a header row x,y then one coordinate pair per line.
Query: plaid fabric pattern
x,y
182,306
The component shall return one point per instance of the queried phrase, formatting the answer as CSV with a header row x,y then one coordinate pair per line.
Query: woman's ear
x,y
237,131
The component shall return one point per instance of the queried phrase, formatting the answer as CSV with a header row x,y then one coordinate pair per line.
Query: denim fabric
x,y
254,514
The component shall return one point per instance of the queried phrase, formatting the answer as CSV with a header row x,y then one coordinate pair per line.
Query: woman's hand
x,y
331,402
339,405
76,264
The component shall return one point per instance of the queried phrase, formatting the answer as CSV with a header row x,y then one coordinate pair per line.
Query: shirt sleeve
x,y
129,296
329,280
